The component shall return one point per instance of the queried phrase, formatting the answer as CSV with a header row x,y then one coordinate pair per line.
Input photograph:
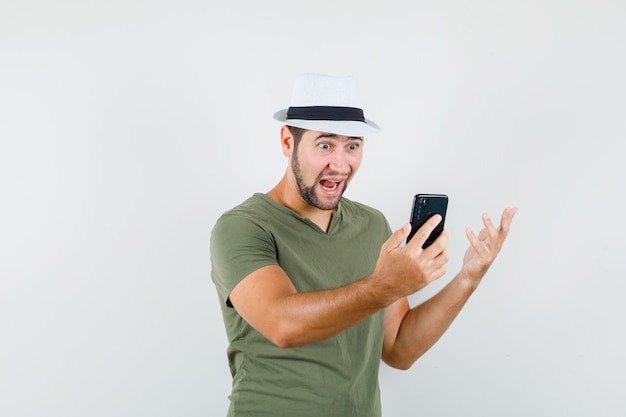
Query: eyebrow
x,y
333,135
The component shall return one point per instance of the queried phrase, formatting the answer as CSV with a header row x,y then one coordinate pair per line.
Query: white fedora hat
x,y
326,104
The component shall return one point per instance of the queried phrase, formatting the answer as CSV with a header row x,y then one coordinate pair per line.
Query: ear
x,y
286,141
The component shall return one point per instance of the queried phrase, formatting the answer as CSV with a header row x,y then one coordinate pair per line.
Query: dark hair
x,y
296,133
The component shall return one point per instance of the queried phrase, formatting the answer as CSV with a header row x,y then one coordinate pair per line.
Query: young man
x,y
314,286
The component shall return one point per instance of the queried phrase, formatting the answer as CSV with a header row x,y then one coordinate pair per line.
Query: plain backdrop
x,y
128,127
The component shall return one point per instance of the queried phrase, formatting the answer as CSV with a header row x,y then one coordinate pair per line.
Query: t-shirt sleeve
x,y
239,246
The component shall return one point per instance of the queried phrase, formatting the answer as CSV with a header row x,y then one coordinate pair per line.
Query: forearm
x,y
311,317
424,324
289,318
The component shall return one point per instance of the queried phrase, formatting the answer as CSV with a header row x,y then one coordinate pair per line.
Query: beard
x,y
308,193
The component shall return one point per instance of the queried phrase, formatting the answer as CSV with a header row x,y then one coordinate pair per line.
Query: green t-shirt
x,y
334,377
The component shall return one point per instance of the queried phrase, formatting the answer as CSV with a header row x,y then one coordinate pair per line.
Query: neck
x,y
286,193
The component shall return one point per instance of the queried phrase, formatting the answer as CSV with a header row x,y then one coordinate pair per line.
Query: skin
x,y
269,302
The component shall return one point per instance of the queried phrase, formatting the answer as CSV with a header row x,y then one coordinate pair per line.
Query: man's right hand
x,y
403,270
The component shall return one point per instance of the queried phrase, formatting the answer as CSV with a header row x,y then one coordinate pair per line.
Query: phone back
x,y
424,207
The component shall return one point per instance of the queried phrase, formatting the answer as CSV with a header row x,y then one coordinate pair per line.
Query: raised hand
x,y
485,247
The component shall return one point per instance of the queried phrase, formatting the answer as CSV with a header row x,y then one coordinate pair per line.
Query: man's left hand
x,y
485,247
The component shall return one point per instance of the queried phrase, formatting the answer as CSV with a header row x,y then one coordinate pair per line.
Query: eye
x,y
353,146
324,146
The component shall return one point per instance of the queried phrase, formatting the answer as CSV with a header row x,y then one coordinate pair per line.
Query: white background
x,y
128,127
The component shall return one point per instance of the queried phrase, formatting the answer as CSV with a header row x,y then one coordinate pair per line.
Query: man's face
x,y
323,164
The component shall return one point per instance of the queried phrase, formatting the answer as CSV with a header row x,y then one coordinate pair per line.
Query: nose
x,y
339,162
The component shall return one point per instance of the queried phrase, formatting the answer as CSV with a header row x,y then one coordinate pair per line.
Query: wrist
x,y
472,280
378,290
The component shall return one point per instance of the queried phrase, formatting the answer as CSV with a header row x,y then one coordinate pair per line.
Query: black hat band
x,y
326,113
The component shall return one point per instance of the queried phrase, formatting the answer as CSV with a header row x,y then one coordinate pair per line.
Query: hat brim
x,y
339,127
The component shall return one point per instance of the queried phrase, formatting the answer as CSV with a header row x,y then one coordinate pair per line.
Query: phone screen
x,y
424,207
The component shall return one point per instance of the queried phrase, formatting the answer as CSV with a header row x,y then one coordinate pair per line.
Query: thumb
x,y
396,239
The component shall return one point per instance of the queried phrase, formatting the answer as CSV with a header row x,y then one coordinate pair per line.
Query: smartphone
x,y
424,207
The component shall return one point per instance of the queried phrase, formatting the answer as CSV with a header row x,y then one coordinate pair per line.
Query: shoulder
x,y
256,209
251,207
361,210
365,218
249,216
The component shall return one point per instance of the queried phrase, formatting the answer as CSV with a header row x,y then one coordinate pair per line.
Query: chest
x,y
316,261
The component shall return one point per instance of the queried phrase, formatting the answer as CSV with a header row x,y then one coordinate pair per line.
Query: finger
x,y
396,239
441,259
438,272
423,232
479,243
507,218
439,244
489,226
473,239
483,235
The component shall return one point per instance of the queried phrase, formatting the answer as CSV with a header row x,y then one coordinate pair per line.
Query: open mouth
x,y
329,185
